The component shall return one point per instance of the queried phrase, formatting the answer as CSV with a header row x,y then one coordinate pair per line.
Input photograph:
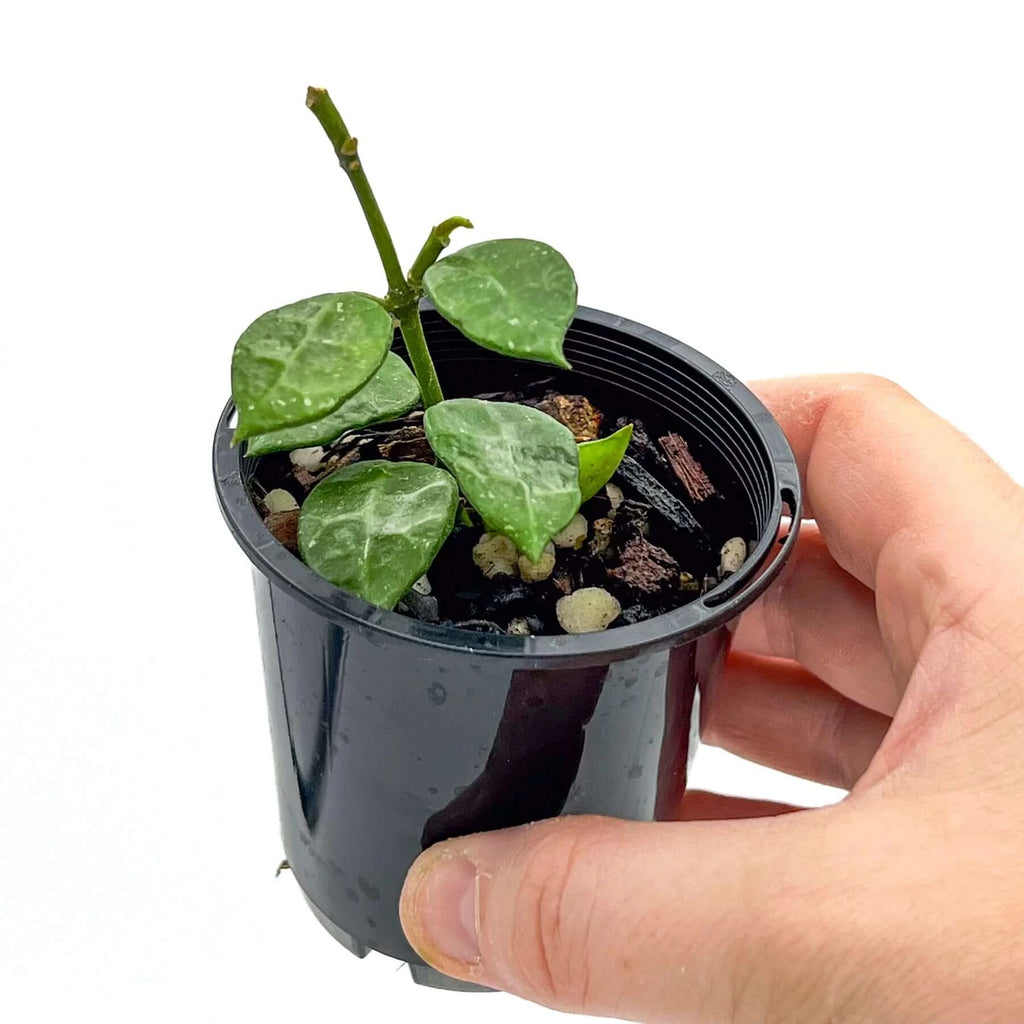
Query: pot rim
x,y
675,628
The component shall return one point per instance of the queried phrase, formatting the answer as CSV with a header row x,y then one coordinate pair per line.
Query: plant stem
x,y
419,354
347,150
402,298
436,242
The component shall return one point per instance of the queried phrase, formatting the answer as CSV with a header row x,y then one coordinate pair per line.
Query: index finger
x,y
905,502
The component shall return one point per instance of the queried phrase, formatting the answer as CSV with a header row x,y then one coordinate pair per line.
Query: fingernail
x,y
446,908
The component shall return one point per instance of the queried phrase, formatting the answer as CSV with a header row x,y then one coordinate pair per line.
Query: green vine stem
x,y
346,147
402,299
419,355
436,242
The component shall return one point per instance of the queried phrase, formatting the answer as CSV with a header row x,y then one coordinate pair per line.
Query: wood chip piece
x,y
407,444
575,412
660,498
645,567
343,459
307,480
690,472
285,527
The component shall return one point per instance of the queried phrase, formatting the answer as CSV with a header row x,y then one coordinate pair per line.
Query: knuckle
x,y
875,384
858,399
860,392
554,915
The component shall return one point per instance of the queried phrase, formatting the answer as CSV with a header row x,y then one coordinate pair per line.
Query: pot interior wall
x,y
625,376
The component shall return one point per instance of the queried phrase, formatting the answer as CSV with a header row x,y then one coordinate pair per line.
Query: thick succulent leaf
x,y
518,467
298,363
599,459
390,392
373,528
513,295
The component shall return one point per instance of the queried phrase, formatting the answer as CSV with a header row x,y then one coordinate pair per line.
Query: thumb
x,y
716,920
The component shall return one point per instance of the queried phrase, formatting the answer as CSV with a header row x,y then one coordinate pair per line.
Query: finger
x,y
776,713
699,805
860,424
653,922
818,614
895,491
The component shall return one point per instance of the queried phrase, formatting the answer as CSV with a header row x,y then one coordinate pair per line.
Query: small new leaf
x,y
518,467
514,296
298,363
600,458
373,528
390,392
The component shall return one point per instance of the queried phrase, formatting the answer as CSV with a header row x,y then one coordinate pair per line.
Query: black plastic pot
x,y
390,734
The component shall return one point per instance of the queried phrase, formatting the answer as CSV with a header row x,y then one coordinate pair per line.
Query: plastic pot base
x,y
421,973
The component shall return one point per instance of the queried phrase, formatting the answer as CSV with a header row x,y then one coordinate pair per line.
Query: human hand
x,y
889,659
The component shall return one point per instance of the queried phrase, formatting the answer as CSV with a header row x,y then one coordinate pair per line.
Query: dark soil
x,y
657,550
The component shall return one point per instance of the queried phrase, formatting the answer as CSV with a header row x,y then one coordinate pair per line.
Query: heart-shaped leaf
x,y
390,392
600,458
373,528
298,363
513,295
518,467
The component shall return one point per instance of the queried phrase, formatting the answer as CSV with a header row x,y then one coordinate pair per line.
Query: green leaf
x,y
518,467
390,392
373,528
513,296
298,363
599,459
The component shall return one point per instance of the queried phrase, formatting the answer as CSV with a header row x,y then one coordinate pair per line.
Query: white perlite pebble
x,y
495,553
734,554
615,495
520,627
534,572
422,586
309,459
574,535
279,500
587,611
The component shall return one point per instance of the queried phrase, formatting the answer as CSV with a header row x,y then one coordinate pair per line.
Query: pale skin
x,y
888,660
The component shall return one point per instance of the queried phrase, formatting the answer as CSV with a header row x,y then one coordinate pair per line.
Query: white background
x,y
790,187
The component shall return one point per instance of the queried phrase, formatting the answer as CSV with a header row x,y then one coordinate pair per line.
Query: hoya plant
x,y
306,373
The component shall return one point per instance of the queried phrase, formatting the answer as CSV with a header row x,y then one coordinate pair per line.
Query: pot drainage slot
x,y
755,572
